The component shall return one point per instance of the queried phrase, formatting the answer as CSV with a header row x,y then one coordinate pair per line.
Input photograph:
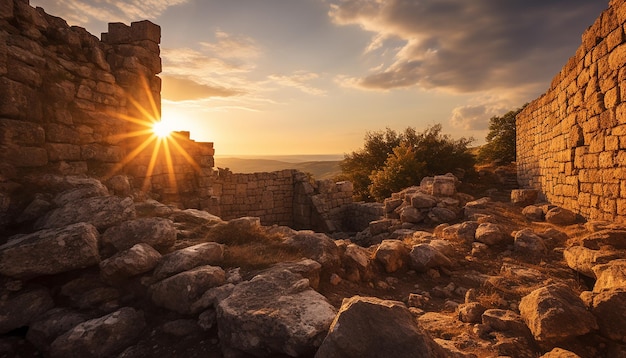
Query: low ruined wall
x,y
571,142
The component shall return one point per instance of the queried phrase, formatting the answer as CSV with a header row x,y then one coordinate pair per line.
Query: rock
x,y
159,233
529,245
51,251
610,276
208,253
555,313
560,216
392,254
88,190
471,312
357,263
307,268
101,337
245,223
138,259
88,291
490,234
524,197
391,204
422,201
119,185
371,327
582,259
207,319
195,216
608,308
444,185
451,351
533,213
409,214
153,208
180,327
318,247
418,301
504,321
596,240
51,325
380,226
179,292
212,297
464,232
439,215
101,212
424,257
274,313
560,353
438,324
475,207
23,307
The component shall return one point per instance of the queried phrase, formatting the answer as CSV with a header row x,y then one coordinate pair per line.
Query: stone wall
x,y
571,142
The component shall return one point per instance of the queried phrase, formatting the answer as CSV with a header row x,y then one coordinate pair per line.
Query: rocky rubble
x,y
164,281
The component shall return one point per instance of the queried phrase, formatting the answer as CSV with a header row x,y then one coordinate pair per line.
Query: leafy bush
x,y
391,161
501,139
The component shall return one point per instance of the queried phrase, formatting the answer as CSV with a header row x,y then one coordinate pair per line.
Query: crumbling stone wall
x,y
571,142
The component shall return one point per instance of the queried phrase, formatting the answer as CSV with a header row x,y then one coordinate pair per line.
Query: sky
x,y
288,77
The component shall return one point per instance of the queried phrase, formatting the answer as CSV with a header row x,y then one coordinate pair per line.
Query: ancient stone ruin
x,y
108,249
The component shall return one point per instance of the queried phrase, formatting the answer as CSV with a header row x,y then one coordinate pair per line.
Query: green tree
x,y
501,140
391,161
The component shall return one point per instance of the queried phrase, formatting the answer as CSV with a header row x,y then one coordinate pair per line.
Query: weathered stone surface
x,y
23,307
524,197
439,215
444,185
86,189
582,259
424,257
179,292
159,233
138,259
371,327
208,253
357,263
316,246
196,216
490,234
421,200
529,245
533,213
463,232
50,251
409,214
504,321
101,337
379,226
307,268
609,237
560,353
560,216
88,292
608,308
610,276
51,325
274,313
471,312
555,313
393,254
101,212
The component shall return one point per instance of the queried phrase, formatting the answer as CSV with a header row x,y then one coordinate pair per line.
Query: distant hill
x,y
320,169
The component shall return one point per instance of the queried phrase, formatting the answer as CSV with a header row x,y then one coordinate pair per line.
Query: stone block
x,y
119,33
145,30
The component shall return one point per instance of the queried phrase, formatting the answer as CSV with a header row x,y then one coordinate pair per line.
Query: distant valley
x,y
320,169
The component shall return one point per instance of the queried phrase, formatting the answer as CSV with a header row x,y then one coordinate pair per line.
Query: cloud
x,y
468,46
233,46
184,89
474,117
299,80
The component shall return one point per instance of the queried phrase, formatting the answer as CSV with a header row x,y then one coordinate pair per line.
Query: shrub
x,y
501,139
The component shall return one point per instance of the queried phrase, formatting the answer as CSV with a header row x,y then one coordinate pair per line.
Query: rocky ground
x,y
443,274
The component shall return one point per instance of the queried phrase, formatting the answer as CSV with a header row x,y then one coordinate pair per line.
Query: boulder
x,y
23,307
51,325
610,276
608,308
529,245
138,259
316,246
101,337
51,251
195,216
208,253
159,233
504,321
245,223
101,212
612,237
274,313
560,216
490,234
89,190
471,312
393,254
560,353
439,215
306,268
464,232
444,185
179,292
88,291
421,200
357,263
380,226
476,207
582,259
424,257
371,327
555,313
409,214
524,197
533,213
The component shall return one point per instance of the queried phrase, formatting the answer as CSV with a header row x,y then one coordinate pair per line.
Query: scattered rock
x,y
582,259
533,213
560,353
608,308
471,312
504,321
157,232
392,254
316,246
490,234
357,264
424,257
22,308
529,245
610,276
409,214
195,216
439,215
51,325
371,327
138,259
560,216
464,232
101,212
208,253
524,197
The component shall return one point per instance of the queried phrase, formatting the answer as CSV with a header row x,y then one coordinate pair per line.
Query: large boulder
x,y
21,308
464,232
51,325
159,233
439,215
409,214
524,197
490,234
276,312
138,259
208,253
582,259
608,308
609,237
371,327
101,212
561,216
421,200
529,245
357,263
424,257
196,216
179,292
316,246
393,254
51,251
555,313
610,276
101,337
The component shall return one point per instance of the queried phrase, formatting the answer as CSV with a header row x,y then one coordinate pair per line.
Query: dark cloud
x,y
468,46
181,89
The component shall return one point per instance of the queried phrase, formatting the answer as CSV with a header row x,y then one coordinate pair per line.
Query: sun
x,y
161,129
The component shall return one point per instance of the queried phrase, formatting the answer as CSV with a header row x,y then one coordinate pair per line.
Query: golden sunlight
x,y
161,129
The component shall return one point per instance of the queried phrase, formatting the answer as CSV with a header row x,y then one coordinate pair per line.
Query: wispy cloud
x,y
468,46
300,80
